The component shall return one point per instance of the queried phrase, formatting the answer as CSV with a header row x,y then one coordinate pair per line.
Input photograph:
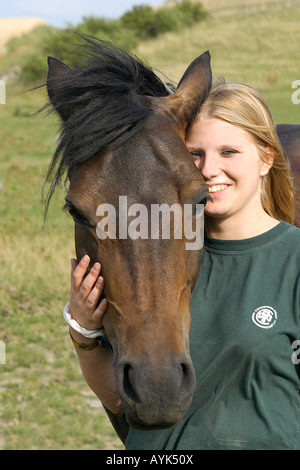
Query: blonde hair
x,y
243,106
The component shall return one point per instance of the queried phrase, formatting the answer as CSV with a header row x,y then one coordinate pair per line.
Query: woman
x,y
246,302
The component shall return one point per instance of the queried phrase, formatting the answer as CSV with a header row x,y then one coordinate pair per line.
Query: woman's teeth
x,y
219,187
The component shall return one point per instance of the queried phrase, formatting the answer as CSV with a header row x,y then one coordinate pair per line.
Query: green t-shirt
x,y
245,318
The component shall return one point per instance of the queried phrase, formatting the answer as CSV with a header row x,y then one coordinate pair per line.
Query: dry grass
x,y
44,402
215,5
15,27
260,50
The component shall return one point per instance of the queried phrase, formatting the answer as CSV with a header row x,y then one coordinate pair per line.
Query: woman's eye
x,y
228,152
196,154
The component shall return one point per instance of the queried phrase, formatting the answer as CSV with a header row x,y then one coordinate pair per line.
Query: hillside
x,y
261,50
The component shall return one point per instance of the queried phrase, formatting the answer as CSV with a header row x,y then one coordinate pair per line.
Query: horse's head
x,y
116,187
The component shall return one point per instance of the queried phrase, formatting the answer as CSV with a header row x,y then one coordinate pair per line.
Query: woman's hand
x,y
85,294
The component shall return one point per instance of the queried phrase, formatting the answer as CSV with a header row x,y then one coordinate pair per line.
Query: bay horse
x,y
123,133
289,136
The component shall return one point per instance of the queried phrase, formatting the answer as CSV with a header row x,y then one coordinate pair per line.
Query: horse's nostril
x,y
128,383
184,368
155,393
188,379
187,373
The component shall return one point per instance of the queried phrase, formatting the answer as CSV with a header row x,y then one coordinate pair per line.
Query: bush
x,y
141,19
190,13
140,23
148,23
63,44
95,26
110,30
34,70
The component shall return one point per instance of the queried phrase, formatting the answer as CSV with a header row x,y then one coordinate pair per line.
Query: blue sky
x,y
60,12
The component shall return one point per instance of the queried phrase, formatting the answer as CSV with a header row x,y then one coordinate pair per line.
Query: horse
x,y
289,136
123,133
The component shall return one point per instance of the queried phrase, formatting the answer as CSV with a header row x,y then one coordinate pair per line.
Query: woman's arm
x,y
96,364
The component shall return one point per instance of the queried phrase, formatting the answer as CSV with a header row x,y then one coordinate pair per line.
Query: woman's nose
x,y
209,167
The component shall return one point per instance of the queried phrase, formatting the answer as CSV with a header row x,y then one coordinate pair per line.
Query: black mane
x,y
104,96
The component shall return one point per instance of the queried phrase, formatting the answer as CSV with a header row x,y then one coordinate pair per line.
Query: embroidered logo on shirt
x,y
264,317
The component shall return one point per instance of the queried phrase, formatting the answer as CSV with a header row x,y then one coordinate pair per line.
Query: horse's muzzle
x,y
155,394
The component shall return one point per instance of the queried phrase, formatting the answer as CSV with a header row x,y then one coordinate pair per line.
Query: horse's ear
x,y
192,90
56,86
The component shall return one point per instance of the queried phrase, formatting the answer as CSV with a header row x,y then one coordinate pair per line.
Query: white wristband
x,y
83,331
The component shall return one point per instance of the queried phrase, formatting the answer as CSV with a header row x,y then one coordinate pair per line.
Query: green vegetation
x,y
141,23
260,50
44,401
148,23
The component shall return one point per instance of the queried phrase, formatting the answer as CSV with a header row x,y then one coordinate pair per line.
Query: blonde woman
x,y
246,302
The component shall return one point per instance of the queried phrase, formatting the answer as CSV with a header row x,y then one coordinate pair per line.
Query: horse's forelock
x,y
102,101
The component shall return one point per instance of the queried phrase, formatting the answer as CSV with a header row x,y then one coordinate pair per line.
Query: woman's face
x,y
229,161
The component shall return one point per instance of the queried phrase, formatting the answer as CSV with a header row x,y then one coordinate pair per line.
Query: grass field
x,y
45,403
260,50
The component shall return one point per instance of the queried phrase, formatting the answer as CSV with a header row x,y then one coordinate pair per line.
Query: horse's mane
x,y
104,94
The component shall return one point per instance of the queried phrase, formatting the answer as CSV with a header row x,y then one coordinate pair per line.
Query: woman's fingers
x,y
86,290
78,271
90,280
100,310
95,293
74,263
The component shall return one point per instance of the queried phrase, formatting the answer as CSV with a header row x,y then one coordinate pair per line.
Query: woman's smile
x,y
217,190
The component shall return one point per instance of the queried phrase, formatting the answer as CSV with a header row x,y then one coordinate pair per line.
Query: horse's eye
x,y
76,215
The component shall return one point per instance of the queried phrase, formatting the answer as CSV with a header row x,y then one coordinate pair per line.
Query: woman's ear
x,y
267,160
